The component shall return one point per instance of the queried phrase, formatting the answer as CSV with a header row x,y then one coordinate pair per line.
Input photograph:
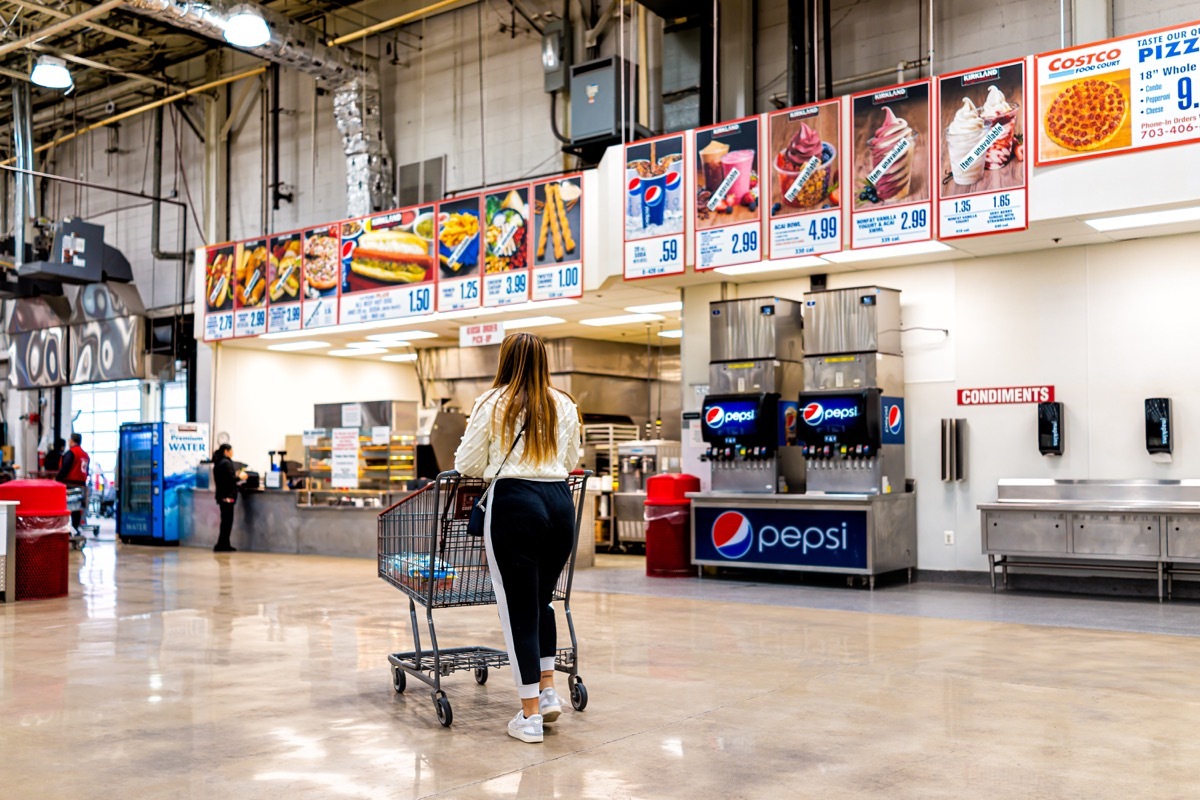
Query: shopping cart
x,y
76,501
426,552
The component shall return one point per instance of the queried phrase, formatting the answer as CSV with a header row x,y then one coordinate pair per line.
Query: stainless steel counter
x,y
851,534
1127,526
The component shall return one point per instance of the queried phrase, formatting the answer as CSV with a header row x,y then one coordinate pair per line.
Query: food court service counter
x,y
272,522
848,534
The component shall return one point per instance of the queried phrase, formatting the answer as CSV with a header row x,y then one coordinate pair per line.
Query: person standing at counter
x,y
226,476
53,459
73,471
523,435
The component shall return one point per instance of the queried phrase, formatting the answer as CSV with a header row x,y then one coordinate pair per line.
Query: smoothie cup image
x,y
743,162
962,136
654,200
997,110
710,158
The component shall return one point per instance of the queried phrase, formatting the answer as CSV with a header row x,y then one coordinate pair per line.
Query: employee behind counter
x,y
227,476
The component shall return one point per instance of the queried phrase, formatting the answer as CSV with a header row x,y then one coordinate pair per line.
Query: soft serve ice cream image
x,y
892,151
964,134
997,110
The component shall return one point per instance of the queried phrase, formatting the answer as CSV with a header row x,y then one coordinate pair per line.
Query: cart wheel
x,y
445,715
579,696
399,679
481,675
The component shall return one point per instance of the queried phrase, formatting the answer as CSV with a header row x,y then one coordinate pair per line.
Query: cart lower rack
x,y
426,552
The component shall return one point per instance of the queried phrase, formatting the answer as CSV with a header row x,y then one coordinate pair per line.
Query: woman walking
x,y
524,436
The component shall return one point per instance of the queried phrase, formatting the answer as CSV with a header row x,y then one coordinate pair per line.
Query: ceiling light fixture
x,y
773,266
531,322
890,251
246,28
656,308
352,327
401,337
51,73
624,319
350,352
375,345
290,346
400,358
675,334
1146,220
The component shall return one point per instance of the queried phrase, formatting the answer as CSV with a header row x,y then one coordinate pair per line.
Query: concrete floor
x,y
180,673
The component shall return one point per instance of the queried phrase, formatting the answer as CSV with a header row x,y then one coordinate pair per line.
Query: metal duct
x,y
355,90
24,205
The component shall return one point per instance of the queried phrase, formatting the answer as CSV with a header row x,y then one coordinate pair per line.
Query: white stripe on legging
x,y
525,690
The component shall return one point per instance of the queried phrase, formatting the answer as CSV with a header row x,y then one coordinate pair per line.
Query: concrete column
x,y
1091,21
735,59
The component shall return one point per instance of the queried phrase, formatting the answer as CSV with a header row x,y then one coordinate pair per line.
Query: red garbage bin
x,y
43,537
668,525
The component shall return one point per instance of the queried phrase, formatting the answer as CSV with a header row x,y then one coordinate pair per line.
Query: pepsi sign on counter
x,y
783,538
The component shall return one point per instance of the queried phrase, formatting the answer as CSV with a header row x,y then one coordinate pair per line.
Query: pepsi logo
x,y
654,195
674,179
714,417
895,419
635,186
732,535
814,414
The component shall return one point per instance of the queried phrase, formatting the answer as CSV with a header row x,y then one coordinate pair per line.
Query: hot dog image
x,y
392,257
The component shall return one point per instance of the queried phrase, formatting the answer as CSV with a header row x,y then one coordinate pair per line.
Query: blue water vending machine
x,y
156,463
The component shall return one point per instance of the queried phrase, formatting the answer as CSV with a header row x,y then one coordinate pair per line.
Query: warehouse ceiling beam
x,y
133,112
62,25
403,19
96,26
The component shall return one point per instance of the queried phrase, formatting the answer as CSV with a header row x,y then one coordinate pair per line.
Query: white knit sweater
x,y
480,453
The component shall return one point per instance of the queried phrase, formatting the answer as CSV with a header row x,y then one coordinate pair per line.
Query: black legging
x,y
531,537
226,523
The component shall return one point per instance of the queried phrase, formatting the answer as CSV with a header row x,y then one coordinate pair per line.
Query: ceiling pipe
x,y
355,89
411,16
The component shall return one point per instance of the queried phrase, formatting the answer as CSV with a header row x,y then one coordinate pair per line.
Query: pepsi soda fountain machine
x,y
749,418
851,427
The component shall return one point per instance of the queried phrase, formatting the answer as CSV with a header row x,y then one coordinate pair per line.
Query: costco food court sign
x,y
1005,395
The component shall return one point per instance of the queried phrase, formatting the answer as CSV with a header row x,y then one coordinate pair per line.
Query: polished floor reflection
x,y
180,673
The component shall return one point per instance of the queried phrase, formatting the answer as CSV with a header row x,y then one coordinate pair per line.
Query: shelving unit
x,y
600,455
384,472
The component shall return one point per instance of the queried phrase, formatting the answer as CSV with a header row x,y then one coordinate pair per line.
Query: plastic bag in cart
x,y
418,568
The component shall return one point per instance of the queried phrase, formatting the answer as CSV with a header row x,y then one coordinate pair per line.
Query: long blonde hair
x,y
524,374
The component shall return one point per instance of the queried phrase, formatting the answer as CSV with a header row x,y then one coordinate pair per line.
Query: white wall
x,y
1107,325
263,396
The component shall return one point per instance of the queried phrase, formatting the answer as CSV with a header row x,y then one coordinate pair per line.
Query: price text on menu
x,y
984,174
894,144
1120,95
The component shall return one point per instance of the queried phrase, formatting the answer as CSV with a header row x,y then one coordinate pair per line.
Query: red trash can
x,y
668,525
43,537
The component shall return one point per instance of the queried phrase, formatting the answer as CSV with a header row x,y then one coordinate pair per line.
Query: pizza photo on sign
x,y
1087,115
321,262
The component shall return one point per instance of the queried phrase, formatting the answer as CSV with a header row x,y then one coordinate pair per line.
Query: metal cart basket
x,y
426,552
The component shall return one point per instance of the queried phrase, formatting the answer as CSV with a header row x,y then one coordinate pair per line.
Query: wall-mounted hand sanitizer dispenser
x,y
1050,428
1160,436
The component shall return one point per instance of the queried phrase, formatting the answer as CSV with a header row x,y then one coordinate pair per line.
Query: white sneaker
x,y
527,729
549,706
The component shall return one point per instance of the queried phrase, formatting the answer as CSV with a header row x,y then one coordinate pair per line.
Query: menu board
x,y
805,180
387,265
653,198
322,271
458,254
725,180
286,278
558,254
1124,94
893,151
983,170
218,291
505,225
250,288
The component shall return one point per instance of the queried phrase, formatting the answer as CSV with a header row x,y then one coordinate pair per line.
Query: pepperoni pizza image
x,y
1087,115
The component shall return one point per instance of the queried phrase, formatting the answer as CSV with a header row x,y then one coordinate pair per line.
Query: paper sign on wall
x,y
344,459
351,415
381,435
313,436
481,335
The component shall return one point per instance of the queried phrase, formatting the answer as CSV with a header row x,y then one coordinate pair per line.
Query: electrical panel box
x,y
597,99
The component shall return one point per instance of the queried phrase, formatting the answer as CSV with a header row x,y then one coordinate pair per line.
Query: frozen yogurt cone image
x,y
963,135
803,181
892,149
997,110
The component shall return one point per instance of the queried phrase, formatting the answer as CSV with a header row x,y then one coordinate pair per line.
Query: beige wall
x,y
262,396
1107,325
